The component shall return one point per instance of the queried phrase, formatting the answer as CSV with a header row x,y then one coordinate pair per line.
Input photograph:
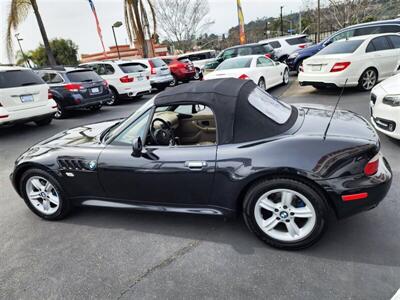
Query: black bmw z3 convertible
x,y
219,147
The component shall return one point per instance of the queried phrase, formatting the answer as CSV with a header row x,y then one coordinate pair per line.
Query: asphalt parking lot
x,y
113,254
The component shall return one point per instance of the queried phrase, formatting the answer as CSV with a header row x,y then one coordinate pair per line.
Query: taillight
x,y
372,166
303,46
340,66
126,79
73,87
243,76
268,55
152,70
49,96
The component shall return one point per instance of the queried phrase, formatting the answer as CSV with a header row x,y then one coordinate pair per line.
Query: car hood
x,y
86,135
345,124
391,85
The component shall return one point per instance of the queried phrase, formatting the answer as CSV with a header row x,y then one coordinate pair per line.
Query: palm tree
x,y
137,24
19,10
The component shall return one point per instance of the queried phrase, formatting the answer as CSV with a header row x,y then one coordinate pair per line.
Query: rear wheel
x,y
44,122
43,195
174,82
261,83
197,74
114,98
298,65
285,79
285,213
368,80
61,113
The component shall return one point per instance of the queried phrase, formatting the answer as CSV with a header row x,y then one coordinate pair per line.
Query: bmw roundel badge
x,y
92,165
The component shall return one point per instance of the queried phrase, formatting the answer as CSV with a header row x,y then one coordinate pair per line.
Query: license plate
x,y
316,67
140,78
95,90
26,98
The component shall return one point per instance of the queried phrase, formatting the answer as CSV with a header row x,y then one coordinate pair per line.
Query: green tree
x,y
19,10
65,53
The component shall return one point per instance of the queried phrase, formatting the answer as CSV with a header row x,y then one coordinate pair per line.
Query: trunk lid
x,y
323,63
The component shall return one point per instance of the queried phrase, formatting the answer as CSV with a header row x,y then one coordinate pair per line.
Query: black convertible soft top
x,y
237,120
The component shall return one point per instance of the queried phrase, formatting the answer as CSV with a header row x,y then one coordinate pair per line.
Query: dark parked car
x,y
75,88
181,69
240,50
217,147
295,59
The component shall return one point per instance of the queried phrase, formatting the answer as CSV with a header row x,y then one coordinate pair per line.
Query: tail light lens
x,y
303,46
49,95
152,70
243,76
126,79
340,66
372,166
73,87
268,55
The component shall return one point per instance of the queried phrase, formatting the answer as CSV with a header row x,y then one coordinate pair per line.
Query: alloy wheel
x,y
286,76
368,79
42,195
59,113
285,215
196,75
112,100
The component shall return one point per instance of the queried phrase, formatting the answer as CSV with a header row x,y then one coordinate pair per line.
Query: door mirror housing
x,y
220,59
137,147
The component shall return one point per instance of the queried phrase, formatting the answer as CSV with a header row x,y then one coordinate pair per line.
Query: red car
x,y
182,69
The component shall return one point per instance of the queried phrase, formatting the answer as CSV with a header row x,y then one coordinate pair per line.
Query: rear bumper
x,y
161,81
27,115
185,74
375,186
134,89
88,102
337,79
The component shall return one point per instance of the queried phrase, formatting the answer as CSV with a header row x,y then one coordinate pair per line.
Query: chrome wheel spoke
x,y
268,204
53,199
270,223
287,198
35,195
302,212
292,228
37,184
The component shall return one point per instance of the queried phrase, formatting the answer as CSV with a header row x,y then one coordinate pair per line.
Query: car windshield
x,y
18,78
271,107
83,75
237,63
115,130
341,47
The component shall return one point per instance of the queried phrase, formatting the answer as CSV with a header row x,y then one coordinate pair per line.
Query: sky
x,y
73,19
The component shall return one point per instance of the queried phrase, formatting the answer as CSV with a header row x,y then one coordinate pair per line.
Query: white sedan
x,y
385,107
362,61
262,70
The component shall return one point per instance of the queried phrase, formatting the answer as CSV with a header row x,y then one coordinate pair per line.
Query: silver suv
x,y
160,74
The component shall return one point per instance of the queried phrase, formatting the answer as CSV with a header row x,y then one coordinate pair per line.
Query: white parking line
x,y
396,296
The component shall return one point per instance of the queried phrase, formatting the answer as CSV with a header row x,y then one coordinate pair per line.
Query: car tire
x,y
114,98
56,205
174,82
61,113
285,77
197,75
96,107
44,122
368,79
294,221
298,65
261,83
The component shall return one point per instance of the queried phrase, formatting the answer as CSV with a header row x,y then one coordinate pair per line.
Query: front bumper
x,y
376,186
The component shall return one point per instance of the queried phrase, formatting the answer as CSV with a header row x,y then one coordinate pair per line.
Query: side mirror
x,y
137,147
220,59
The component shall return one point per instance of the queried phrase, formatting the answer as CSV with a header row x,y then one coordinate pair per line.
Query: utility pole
x,y
22,52
319,22
282,21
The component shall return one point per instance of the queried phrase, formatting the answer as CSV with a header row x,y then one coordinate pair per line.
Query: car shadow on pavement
x,y
362,238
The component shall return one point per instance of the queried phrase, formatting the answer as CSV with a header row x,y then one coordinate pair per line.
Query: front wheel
x,y
174,82
285,213
368,80
61,113
43,195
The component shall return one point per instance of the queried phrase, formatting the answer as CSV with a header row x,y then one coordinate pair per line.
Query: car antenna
x,y
334,110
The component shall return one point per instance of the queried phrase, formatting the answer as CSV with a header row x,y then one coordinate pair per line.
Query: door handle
x,y
195,165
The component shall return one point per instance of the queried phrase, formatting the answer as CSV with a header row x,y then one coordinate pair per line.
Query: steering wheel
x,y
164,135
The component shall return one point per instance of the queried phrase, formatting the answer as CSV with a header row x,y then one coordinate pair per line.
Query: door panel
x,y
162,175
198,129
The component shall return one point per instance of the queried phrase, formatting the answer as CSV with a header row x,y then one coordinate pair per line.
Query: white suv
x,y
24,97
125,78
286,45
